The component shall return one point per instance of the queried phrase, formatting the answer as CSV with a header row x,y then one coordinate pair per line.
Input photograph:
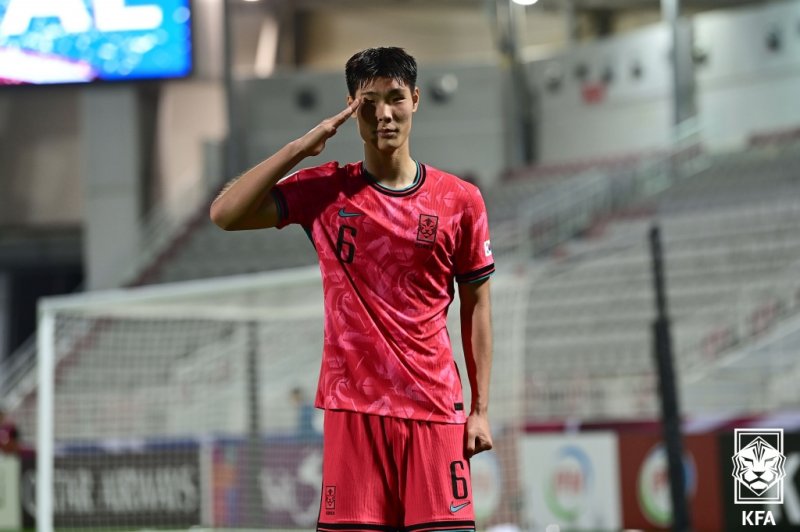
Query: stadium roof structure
x,y
545,4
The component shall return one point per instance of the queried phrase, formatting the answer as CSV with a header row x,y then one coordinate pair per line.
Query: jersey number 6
x,y
345,249
459,482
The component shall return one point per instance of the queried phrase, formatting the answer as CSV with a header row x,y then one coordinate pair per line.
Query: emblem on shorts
x,y
456,507
330,500
428,223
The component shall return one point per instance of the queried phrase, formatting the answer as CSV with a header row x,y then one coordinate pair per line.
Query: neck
x,y
394,169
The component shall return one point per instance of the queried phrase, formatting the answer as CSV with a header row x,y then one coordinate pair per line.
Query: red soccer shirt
x,y
388,260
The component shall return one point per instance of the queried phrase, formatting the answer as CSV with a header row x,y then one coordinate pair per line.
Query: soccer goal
x,y
188,405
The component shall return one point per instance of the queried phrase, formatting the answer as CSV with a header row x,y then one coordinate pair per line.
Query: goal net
x,y
189,404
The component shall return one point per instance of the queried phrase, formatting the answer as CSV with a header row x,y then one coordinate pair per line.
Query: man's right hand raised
x,y
245,203
313,142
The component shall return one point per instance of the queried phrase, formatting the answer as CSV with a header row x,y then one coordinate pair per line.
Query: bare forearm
x,y
245,202
245,194
476,334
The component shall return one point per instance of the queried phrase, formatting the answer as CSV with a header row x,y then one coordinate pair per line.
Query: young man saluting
x,y
391,235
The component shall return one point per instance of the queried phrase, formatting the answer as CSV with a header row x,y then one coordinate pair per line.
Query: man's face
x,y
384,117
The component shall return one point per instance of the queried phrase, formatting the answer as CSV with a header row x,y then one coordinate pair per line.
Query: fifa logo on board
x,y
758,471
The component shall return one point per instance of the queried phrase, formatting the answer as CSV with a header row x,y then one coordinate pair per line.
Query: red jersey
x,y
388,260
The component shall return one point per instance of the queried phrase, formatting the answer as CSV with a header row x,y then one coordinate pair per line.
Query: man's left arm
x,y
476,337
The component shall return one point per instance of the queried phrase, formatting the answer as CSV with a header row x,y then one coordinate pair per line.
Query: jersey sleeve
x,y
473,258
301,196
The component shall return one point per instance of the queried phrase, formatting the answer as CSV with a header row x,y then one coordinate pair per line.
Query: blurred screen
x,y
81,41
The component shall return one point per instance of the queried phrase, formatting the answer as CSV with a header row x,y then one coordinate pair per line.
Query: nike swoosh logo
x,y
454,509
344,214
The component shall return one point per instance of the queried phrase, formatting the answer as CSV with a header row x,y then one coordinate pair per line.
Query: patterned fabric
x,y
396,474
388,260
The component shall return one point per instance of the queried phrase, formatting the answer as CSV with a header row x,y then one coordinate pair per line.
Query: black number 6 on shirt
x,y
345,249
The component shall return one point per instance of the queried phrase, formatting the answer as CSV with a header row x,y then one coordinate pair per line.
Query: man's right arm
x,y
245,202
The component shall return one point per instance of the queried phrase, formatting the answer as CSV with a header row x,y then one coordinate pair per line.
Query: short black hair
x,y
384,62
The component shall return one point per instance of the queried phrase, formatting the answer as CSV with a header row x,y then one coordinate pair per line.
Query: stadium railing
x,y
571,204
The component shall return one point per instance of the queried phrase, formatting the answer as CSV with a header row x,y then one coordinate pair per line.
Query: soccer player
x,y
9,435
392,235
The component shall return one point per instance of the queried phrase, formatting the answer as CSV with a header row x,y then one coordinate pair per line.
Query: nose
x,y
383,112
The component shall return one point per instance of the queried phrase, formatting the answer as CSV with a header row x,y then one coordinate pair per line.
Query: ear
x,y
415,99
350,100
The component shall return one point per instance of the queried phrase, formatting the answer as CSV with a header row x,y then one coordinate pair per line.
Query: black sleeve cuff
x,y
475,275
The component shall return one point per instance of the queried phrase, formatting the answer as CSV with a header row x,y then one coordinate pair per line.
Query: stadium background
x,y
173,403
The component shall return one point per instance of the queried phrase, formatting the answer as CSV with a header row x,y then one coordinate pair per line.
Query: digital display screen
x,y
81,41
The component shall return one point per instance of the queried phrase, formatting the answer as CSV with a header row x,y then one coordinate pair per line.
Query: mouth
x,y
386,133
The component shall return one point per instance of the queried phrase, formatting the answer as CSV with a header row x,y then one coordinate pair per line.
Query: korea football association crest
x,y
426,232
758,472
758,466
330,500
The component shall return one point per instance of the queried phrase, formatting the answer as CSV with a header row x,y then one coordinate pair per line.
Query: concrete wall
x,y
40,165
434,34
191,112
628,114
744,87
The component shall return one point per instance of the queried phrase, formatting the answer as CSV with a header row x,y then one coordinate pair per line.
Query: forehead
x,y
383,86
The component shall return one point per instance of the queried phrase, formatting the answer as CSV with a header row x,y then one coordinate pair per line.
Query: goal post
x,y
79,332
44,441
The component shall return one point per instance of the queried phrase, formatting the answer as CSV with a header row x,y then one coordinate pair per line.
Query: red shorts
x,y
383,473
